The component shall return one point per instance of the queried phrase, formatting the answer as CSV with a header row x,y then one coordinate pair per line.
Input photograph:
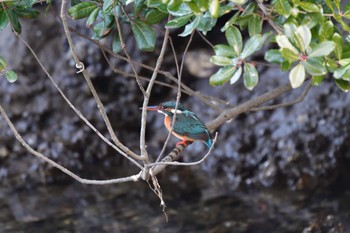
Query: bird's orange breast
x,y
167,123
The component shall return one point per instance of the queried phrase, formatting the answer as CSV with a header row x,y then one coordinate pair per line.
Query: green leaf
x,y
116,43
3,19
338,73
346,76
347,14
309,7
254,25
155,16
107,6
236,75
138,6
178,8
343,24
75,2
160,5
289,30
330,4
92,18
239,2
283,42
179,21
223,75
337,4
192,26
144,35
344,62
331,65
11,76
343,85
302,37
206,24
26,12
314,67
224,50
326,30
282,7
338,40
286,65
312,19
82,10
214,7
317,80
222,61
16,26
253,44
230,22
3,64
103,28
322,49
234,39
274,56
297,76
250,76
289,55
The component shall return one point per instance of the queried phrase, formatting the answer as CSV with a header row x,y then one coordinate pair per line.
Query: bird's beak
x,y
152,108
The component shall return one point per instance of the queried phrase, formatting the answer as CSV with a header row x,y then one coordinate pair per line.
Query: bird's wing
x,y
188,124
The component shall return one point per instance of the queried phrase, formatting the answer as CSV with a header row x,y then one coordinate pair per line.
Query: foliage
x,y
309,38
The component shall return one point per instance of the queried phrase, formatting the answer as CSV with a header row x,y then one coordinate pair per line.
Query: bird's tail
x,y
209,142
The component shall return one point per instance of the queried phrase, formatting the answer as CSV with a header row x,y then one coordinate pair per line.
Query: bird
x,y
187,127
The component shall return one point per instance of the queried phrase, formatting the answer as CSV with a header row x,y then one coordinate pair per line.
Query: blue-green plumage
x,y
187,127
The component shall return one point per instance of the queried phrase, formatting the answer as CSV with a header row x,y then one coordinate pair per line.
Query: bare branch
x,y
297,100
124,49
58,166
148,94
245,107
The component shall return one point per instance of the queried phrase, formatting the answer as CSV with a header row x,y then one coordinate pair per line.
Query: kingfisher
x,y
188,127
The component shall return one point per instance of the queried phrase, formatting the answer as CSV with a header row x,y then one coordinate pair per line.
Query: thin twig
x,y
267,15
60,167
148,94
125,51
297,100
205,39
92,88
187,163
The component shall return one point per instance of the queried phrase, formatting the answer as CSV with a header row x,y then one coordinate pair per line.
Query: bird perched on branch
x,y
187,127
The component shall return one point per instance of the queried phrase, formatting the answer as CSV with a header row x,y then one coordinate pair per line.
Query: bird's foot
x,y
183,143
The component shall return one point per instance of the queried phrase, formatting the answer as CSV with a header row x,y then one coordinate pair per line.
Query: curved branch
x,y
60,167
